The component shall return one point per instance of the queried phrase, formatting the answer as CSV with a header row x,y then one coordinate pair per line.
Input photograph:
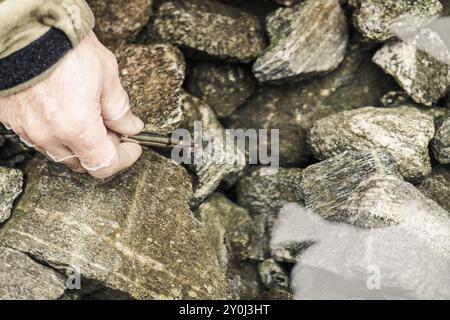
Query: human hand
x,y
74,115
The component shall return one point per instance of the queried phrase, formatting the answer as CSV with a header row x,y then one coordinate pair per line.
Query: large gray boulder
x,y
441,143
308,39
132,235
404,132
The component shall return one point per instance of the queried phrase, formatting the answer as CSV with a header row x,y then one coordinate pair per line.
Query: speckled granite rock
x,y
133,234
214,165
262,190
441,143
209,28
405,132
223,86
22,278
376,19
330,186
425,78
292,109
273,276
117,22
300,48
10,188
437,186
153,76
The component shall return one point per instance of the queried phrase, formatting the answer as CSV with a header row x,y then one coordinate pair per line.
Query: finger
x,y
115,103
99,155
62,154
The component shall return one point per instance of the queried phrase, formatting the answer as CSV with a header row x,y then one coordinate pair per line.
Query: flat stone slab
x,y
133,234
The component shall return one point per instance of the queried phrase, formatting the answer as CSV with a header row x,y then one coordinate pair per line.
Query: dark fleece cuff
x,y
34,59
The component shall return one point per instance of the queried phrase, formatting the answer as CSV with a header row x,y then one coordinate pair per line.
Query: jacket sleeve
x,y
29,27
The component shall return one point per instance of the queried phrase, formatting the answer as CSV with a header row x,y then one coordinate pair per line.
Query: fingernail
x,y
138,124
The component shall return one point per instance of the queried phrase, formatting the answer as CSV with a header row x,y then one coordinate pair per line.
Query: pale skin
x,y
77,114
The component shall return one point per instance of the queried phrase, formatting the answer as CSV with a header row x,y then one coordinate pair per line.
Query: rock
x,y
223,86
264,190
441,143
299,48
213,167
425,78
10,188
228,227
118,22
273,276
293,108
153,76
377,19
408,260
22,278
259,246
404,132
437,186
394,99
244,281
209,28
133,234
362,189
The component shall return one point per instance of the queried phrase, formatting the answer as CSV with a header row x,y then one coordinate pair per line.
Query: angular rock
x,y
228,227
394,99
11,181
264,190
273,276
133,234
404,132
425,78
441,143
209,28
259,245
299,48
213,166
292,109
437,186
377,19
153,76
362,189
223,86
22,278
118,22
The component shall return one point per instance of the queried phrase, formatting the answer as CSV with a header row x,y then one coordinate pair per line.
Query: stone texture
x,y
153,76
118,22
133,234
394,99
213,166
209,28
22,278
228,228
441,143
10,188
293,108
223,86
437,186
273,276
263,190
424,77
404,132
377,19
328,185
308,39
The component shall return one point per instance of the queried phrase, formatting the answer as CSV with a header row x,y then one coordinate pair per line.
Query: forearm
x,y
35,35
